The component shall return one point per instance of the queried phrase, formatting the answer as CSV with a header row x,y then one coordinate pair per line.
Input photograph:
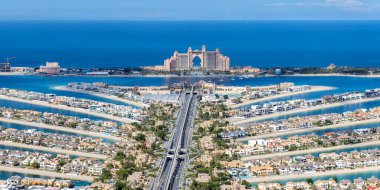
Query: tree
x,y
309,181
120,156
106,174
246,184
35,165
140,137
61,162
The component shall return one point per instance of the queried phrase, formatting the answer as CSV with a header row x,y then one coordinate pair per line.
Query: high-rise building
x,y
50,68
210,60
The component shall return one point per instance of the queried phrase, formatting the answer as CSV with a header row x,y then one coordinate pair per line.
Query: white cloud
x,y
352,5
346,4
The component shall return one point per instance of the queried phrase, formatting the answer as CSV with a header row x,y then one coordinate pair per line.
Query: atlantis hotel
x,y
209,61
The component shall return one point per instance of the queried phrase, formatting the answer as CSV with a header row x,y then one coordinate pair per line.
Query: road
x,y
176,156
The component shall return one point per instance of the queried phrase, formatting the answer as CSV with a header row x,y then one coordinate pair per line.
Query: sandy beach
x,y
62,107
295,131
311,150
46,173
53,150
312,175
313,89
300,110
137,104
59,128
14,73
330,75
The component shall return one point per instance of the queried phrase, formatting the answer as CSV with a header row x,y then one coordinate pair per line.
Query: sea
x,y
138,43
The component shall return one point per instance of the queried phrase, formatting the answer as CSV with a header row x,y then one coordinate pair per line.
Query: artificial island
x,y
198,134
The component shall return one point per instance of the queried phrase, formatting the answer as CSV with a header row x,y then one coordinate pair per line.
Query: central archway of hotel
x,y
197,61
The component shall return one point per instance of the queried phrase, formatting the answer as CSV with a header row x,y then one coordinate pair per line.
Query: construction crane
x,y
6,67
7,59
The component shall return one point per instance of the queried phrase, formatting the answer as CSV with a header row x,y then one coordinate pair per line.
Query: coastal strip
x,y
59,128
46,173
312,175
313,89
301,110
309,151
295,131
62,107
110,97
329,75
53,150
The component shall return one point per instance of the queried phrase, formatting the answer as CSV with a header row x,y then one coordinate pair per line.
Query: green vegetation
x,y
214,184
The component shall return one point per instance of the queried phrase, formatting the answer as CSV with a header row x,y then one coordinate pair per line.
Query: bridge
x,y
176,156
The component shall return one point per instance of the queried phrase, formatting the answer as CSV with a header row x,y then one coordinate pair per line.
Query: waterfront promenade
x,y
300,110
47,173
59,128
312,175
110,97
309,151
302,130
53,150
283,95
67,108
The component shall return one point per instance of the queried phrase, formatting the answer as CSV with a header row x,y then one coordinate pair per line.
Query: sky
x,y
190,10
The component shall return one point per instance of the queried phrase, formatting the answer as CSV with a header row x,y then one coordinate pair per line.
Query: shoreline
x,y
53,150
59,128
188,76
15,74
47,173
62,107
331,75
311,175
313,89
309,151
301,110
295,131
137,104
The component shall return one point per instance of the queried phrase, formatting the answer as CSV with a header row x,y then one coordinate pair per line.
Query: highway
x,y
175,159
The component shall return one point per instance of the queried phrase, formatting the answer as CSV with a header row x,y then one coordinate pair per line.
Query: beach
x,y
309,151
300,110
46,173
60,128
62,107
311,175
53,150
331,75
14,73
313,89
295,131
137,104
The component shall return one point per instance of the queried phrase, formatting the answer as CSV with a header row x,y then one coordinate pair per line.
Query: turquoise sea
x,y
134,43
46,84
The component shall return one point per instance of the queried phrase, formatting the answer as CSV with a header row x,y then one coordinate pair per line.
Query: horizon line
x,y
173,20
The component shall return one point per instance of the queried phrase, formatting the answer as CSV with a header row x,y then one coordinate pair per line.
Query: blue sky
x,y
189,10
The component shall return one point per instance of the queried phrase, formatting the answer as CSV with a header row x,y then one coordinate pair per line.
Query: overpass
x,y
176,156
